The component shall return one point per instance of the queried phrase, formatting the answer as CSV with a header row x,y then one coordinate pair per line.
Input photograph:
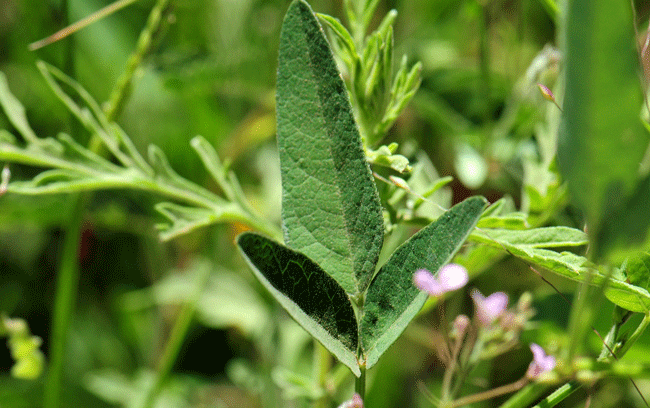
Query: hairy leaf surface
x,y
392,300
330,207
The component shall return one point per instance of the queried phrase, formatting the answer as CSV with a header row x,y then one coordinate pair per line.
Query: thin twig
x,y
72,28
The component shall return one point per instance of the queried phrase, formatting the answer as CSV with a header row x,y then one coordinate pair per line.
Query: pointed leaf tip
x,y
392,300
330,206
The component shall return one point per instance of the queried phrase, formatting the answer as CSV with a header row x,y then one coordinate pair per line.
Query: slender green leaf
x,y
569,265
330,207
185,219
90,115
15,111
309,295
601,139
513,220
392,300
549,237
346,39
164,170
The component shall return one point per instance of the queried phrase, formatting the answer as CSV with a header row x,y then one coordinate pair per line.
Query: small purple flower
x,y
450,277
541,362
489,308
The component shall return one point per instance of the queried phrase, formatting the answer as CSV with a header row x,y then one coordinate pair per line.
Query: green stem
x,y
360,383
65,299
67,279
526,396
322,365
143,47
489,394
176,338
559,395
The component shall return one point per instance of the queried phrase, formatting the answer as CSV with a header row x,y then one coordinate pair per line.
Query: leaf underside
x,y
330,206
315,300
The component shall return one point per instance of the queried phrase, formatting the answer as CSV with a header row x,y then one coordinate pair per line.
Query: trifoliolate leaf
x,y
309,295
392,300
601,139
330,207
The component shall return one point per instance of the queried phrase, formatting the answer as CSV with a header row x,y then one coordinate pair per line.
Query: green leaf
x,y
308,294
549,237
513,220
637,270
343,35
15,111
601,138
384,156
392,300
625,232
529,245
186,219
330,207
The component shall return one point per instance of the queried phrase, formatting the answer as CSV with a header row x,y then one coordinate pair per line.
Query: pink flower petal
x,y
490,308
453,276
425,281
541,362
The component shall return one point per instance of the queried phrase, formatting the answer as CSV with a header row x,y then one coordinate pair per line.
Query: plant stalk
x,y
559,395
176,338
68,274
64,304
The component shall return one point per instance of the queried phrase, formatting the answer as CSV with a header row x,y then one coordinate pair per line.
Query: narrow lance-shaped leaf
x,y
330,207
601,138
392,300
309,295
632,296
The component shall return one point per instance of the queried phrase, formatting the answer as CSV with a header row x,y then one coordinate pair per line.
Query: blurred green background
x,y
212,73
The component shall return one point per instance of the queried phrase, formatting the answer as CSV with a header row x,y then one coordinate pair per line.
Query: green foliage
x,y
392,301
378,96
602,140
330,207
76,168
530,246
310,295
344,272
331,213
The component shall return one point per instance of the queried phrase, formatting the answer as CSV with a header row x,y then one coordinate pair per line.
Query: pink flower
x,y
355,402
450,277
541,362
489,308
